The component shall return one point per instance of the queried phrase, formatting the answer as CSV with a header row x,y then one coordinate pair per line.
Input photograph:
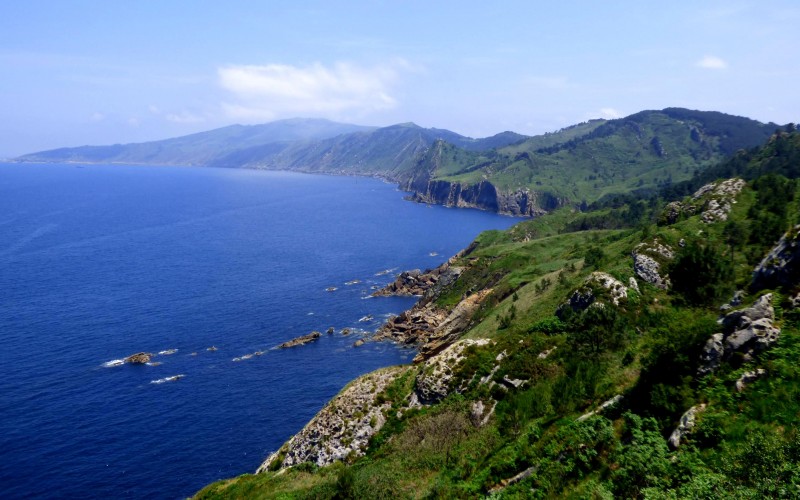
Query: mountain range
x,y
508,173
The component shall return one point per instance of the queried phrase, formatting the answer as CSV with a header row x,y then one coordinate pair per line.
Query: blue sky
x,y
102,72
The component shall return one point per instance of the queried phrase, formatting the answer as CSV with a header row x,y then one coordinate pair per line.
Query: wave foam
x,y
168,379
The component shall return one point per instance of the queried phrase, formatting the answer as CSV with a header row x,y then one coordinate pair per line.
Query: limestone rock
x,y
342,428
712,355
647,259
598,288
611,403
720,198
748,378
781,266
747,331
434,381
686,424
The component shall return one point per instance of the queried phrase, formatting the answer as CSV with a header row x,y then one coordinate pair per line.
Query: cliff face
x,y
484,196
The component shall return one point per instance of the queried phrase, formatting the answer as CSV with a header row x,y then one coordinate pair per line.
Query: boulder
x,y
685,425
781,266
647,259
139,358
712,355
747,331
748,378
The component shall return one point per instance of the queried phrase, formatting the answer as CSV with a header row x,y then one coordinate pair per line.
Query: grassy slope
x,y
745,445
598,158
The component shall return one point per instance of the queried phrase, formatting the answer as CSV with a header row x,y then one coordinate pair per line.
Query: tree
x,y
700,274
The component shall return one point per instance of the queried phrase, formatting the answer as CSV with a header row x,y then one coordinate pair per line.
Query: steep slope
x,y
641,152
590,363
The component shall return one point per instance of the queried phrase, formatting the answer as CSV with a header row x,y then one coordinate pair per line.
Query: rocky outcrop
x,y
483,195
720,198
647,261
714,201
435,380
599,288
302,340
781,266
416,283
428,326
746,332
685,425
342,428
139,358
607,405
453,325
748,378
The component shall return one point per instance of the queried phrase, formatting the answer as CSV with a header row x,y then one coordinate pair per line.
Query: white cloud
x,y
711,62
97,117
184,117
610,113
275,90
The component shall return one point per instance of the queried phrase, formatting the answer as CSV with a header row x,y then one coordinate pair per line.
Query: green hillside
x,y
643,151
629,351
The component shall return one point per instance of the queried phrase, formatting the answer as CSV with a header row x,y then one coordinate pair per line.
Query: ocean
x,y
208,269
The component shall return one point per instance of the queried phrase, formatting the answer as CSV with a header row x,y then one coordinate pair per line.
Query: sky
x,y
102,72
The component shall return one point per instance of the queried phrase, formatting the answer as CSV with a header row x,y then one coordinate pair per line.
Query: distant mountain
x,y
204,147
507,173
642,152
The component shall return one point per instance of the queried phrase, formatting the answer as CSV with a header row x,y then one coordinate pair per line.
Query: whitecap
x,y
168,379
247,356
114,362
167,352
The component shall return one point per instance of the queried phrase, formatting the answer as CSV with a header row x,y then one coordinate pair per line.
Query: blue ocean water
x,y
99,262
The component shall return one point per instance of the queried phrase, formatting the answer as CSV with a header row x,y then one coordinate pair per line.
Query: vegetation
x,y
549,436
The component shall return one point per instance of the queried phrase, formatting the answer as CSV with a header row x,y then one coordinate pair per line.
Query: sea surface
x,y
206,268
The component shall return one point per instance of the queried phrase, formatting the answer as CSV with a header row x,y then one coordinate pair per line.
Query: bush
x,y
701,274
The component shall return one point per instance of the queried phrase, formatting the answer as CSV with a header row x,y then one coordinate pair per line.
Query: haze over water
x,y
99,262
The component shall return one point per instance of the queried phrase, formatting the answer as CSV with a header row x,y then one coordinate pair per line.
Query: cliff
x,y
484,196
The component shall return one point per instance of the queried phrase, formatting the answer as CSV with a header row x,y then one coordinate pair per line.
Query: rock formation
x,y
434,381
599,288
781,266
647,261
302,340
686,424
342,428
139,358
747,332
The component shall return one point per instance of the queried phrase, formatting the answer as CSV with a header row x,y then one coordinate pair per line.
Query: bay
x,y
98,262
